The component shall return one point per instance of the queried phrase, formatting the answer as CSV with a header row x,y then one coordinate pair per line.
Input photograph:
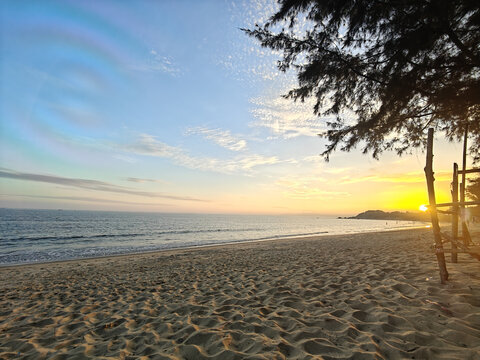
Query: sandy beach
x,y
362,296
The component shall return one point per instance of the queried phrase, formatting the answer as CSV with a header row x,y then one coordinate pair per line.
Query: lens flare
x,y
76,60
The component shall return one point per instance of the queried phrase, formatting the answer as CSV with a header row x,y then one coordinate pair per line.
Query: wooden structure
x,y
457,209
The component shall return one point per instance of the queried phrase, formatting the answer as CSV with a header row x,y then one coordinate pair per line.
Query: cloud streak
x,y
223,138
409,178
149,145
158,63
139,180
85,199
307,188
285,118
87,184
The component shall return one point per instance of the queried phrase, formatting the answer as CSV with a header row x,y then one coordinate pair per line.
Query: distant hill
x,y
395,215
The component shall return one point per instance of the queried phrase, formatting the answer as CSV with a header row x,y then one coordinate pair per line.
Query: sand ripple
x,y
370,296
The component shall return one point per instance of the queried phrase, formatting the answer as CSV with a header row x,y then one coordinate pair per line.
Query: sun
x,y
423,207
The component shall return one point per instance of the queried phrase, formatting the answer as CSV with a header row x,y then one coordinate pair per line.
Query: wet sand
x,y
362,296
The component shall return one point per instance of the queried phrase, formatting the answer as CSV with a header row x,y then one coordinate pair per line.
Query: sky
x,y
167,106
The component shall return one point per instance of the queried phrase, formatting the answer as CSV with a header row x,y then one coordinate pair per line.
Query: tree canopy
x,y
386,69
473,190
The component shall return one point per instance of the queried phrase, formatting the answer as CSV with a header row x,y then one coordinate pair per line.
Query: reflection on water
x,y
46,235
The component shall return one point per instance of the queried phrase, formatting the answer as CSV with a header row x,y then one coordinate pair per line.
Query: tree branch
x,y
461,46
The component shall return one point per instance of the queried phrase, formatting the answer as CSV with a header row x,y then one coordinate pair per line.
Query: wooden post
x,y
455,210
465,232
433,210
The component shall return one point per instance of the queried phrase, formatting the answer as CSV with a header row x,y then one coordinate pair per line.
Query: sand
x,y
363,296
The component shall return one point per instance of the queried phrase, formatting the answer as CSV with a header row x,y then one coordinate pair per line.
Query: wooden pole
x,y
433,210
465,232
455,209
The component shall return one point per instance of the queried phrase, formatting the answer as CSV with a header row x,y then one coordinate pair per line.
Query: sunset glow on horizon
x,y
169,107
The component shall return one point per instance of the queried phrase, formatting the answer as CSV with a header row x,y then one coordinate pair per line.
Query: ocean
x,y
33,236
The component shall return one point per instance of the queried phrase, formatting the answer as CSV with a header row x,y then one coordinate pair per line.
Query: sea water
x,y
30,236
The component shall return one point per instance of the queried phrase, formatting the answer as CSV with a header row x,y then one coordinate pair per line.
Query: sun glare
x,y
423,207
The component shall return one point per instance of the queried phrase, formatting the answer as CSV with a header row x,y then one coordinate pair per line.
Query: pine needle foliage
x,y
399,67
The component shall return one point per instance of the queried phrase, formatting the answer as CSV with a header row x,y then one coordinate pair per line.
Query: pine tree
x,y
473,190
400,66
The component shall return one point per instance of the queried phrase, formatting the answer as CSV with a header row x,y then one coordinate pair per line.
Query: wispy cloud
x,y
84,199
158,63
87,184
125,158
149,145
313,159
307,187
335,171
248,13
412,177
260,11
139,180
223,138
244,58
286,118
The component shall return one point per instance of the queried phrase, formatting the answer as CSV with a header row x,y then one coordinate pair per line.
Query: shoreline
x,y
232,243
367,296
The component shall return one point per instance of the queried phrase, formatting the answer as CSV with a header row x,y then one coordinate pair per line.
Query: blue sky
x,y
168,106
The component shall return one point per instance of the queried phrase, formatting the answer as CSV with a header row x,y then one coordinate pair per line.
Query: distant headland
x,y
395,215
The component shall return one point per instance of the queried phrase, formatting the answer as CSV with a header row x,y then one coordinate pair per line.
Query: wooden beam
x,y
474,254
468,171
454,213
456,203
433,210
